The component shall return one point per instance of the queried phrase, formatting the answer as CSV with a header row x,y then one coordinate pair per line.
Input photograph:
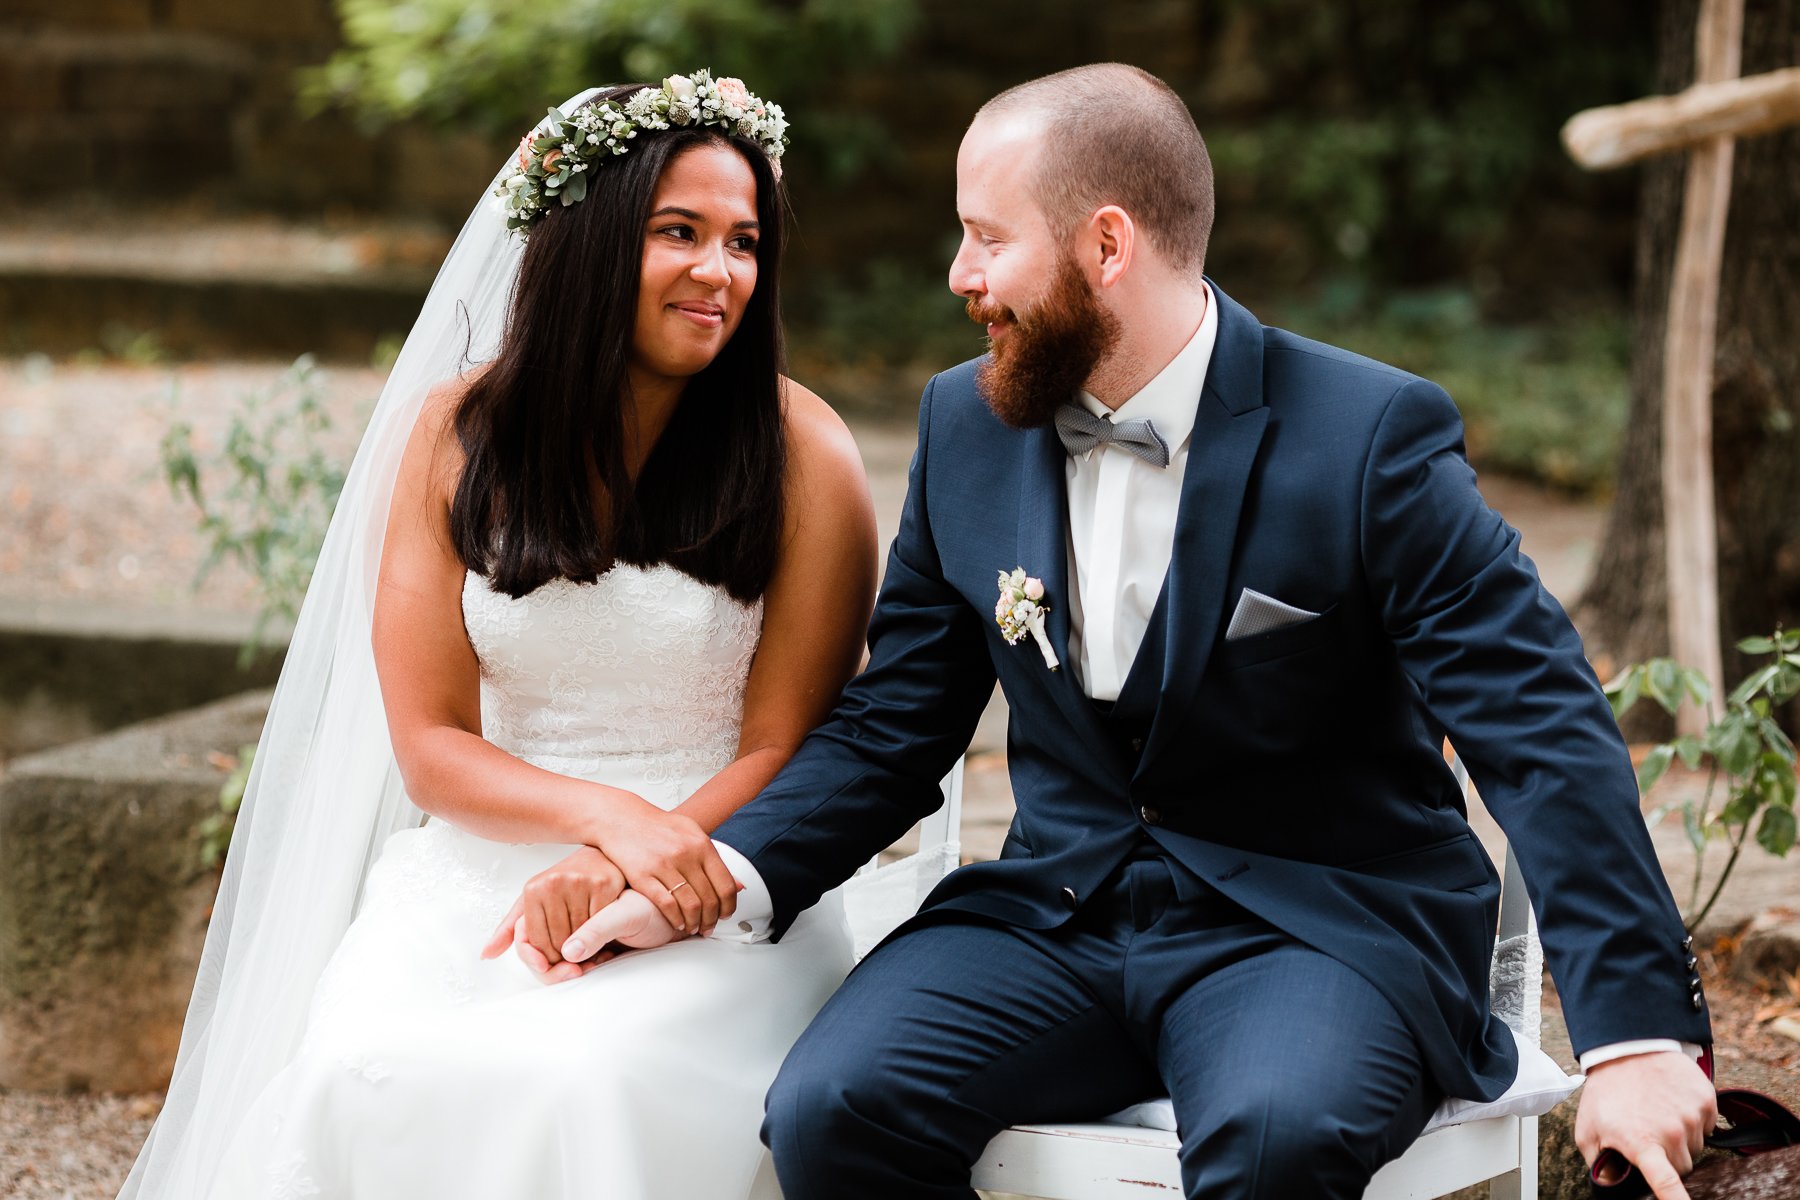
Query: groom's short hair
x,y
1115,134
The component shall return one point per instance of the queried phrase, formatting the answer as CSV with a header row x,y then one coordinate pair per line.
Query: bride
x,y
578,604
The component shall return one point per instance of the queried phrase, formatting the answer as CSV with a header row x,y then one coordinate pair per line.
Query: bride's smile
x,y
699,266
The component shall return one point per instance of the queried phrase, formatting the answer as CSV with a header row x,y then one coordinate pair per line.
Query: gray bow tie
x,y
1080,431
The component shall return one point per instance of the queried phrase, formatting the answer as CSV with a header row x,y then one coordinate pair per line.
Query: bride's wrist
x,y
607,815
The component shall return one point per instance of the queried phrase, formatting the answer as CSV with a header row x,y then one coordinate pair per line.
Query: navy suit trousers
x,y
1291,1075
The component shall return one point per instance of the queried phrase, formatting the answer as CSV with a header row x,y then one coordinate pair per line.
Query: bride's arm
x,y
815,611
815,624
430,686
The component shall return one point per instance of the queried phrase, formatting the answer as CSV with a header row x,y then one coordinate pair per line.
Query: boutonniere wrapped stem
x,y
1021,610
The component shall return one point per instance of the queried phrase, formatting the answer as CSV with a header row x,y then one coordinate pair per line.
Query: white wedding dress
x,y
426,1072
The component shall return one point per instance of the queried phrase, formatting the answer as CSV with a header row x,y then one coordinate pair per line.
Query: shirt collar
x,y
1172,399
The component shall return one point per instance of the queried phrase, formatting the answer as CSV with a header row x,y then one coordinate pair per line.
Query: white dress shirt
x,y
1122,518
1121,535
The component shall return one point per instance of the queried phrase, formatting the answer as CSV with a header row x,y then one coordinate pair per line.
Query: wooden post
x,y
1689,522
1624,133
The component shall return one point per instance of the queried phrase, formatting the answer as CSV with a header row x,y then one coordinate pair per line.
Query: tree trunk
x,y
1756,381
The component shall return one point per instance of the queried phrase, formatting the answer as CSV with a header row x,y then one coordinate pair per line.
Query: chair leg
x,y
1523,1183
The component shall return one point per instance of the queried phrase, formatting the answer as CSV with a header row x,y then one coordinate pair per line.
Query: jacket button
x,y
1694,982
1070,900
1151,815
1698,1002
1692,962
1687,943
1137,745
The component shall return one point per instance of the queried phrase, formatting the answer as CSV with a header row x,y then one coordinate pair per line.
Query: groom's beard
x,y
1047,354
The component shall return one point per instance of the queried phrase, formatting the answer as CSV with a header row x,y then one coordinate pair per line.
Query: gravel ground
x,y
70,1147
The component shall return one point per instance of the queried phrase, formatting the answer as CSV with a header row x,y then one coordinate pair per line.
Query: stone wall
x,y
104,900
166,99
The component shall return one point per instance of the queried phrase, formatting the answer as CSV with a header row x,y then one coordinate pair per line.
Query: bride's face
x,y
699,262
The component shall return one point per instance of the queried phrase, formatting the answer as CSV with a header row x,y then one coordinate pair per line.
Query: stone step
x,y
183,284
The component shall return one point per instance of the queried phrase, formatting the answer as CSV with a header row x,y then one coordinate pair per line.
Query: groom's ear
x,y
1111,241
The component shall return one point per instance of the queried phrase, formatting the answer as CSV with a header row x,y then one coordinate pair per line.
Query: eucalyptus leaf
x,y
1786,683
1737,746
1741,807
1690,824
1775,832
1777,781
1655,763
1624,691
1756,645
1776,740
1752,684
1663,682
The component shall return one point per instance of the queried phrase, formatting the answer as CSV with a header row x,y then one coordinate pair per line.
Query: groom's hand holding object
x,y
1655,1109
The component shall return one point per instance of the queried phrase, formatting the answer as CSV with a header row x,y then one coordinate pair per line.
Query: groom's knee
x,y
841,1118
820,1103
1276,1142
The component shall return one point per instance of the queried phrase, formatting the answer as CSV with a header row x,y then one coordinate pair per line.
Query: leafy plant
x,y
214,830
280,486
1545,401
491,65
1743,746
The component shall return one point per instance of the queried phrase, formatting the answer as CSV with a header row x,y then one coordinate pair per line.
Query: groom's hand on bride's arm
x,y
553,903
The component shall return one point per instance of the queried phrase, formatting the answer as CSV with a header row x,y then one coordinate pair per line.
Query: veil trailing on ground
x,y
324,792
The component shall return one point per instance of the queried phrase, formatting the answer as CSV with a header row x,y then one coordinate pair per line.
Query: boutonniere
x,y
1021,610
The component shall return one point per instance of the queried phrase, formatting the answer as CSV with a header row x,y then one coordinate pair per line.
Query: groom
x,y
1240,872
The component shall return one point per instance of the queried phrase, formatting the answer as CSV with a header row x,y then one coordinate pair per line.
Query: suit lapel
x,y
1044,552
1228,430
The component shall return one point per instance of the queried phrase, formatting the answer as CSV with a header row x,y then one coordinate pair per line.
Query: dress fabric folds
x,y
427,1072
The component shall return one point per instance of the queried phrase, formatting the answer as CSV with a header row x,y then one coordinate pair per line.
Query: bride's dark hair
x,y
547,419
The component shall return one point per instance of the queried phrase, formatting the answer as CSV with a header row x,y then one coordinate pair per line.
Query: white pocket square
x,y
1257,613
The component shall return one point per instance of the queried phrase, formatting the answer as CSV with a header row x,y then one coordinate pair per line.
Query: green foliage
x,y
215,829
1545,402
493,65
1411,135
1743,745
280,486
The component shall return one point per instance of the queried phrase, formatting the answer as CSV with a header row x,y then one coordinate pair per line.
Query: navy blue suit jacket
x,y
1298,771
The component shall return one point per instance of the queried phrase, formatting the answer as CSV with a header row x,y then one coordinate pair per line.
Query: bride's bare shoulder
x,y
434,455
819,442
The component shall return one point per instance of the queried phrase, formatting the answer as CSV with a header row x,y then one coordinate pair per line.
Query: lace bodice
x,y
636,679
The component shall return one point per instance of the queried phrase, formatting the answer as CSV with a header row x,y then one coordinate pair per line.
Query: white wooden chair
x,y
1120,1162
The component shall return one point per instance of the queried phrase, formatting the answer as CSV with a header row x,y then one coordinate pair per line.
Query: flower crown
x,y
554,159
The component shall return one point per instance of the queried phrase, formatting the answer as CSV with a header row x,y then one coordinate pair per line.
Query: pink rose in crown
x,y
550,161
524,159
735,96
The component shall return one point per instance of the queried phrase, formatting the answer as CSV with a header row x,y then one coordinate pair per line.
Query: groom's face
x,y
1046,327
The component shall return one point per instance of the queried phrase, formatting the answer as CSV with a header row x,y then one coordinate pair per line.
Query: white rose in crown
x,y
1020,612
680,87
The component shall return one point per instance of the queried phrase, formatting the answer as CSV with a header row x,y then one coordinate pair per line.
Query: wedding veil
x,y
324,792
